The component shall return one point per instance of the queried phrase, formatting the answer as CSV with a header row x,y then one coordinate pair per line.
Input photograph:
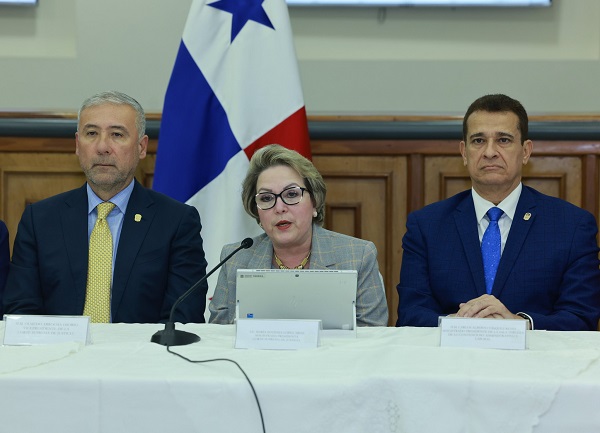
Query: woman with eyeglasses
x,y
285,193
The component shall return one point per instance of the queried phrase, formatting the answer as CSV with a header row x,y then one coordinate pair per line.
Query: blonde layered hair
x,y
274,155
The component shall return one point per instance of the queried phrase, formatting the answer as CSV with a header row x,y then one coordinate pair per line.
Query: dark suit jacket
x,y
4,260
549,268
158,259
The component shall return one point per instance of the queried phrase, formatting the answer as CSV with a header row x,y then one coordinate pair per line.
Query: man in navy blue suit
x,y
548,271
157,247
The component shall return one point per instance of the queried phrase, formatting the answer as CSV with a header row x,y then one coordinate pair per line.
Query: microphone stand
x,y
175,337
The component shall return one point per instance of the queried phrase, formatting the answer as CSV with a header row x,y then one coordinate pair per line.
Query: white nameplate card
x,y
28,330
277,334
482,333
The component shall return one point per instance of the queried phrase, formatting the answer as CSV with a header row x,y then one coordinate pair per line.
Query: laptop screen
x,y
326,295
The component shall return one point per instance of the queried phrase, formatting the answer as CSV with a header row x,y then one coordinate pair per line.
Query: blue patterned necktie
x,y
491,245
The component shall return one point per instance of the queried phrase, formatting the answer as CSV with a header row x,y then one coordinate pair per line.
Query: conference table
x,y
384,380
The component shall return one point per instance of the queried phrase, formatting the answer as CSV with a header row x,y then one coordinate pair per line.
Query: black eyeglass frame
x,y
302,190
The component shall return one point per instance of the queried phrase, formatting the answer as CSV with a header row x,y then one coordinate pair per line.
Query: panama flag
x,y
234,88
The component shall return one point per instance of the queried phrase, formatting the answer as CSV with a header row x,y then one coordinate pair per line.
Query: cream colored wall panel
x,y
412,61
48,30
568,30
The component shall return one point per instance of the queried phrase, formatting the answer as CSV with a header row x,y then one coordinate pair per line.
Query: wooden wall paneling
x,y
345,217
584,191
367,196
444,176
451,184
558,176
145,171
591,184
553,175
416,179
28,177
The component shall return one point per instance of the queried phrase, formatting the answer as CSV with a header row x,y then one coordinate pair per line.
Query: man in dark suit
x,y
156,245
548,270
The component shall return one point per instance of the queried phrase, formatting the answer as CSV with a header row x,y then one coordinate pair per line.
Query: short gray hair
x,y
274,155
117,98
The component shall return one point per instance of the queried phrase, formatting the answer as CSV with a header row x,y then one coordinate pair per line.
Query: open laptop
x,y
326,295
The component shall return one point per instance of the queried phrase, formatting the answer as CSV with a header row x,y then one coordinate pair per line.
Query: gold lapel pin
x,y
527,216
137,217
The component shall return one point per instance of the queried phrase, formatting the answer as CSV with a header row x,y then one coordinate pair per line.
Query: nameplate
x,y
483,333
277,334
28,330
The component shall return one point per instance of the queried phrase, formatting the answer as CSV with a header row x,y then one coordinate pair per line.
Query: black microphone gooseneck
x,y
173,337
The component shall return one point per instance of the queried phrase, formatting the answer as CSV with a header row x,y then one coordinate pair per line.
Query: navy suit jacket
x,y
158,259
549,268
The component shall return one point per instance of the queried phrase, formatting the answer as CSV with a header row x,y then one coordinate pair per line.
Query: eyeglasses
x,y
290,196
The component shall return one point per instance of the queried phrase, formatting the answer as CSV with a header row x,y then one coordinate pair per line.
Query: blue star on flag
x,y
243,11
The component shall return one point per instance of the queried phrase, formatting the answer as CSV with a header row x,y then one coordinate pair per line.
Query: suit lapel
x,y
73,218
466,224
516,237
262,254
321,257
133,234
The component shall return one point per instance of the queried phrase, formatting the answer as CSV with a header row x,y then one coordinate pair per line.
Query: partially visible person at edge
x,y
4,260
548,253
157,251
285,193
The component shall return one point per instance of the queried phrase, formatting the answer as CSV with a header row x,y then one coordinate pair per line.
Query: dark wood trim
x,y
355,207
378,128
590,184
416,173
582,117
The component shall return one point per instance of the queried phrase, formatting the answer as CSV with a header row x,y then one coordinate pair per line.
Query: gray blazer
x,y
330,250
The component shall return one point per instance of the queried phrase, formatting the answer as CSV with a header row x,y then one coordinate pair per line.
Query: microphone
x,y
173,337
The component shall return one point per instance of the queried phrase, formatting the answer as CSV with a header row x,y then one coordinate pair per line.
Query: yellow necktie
x,y
97,295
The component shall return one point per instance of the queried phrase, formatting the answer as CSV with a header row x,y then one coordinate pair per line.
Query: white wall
x,y
352,61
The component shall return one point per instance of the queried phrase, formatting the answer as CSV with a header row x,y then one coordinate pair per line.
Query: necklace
x,y
282,266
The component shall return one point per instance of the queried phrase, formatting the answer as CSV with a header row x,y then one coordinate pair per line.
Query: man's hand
x,y
485,306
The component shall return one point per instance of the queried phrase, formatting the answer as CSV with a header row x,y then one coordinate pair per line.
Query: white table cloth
x,y
386,380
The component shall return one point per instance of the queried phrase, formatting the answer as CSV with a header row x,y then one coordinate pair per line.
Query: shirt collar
x,y
120,200
508,205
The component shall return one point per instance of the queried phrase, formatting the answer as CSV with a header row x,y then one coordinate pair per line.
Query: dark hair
x,y
496,104
274,155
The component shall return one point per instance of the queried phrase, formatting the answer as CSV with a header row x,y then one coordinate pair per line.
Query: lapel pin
x,y
137,217
527,216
